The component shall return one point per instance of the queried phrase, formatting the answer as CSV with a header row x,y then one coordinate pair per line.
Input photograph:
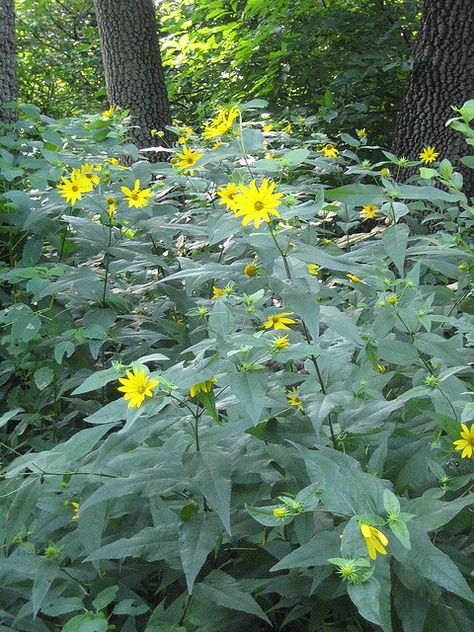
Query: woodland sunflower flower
x,y
222,124
257,204
188,159
330,151
136,197
280,342
72,190
279,321
227,196
294,399
374,539
202,387
466,444
136,387
369,211
428,155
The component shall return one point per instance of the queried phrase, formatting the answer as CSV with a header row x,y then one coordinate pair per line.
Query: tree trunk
x,y
132,64
8,80
442,76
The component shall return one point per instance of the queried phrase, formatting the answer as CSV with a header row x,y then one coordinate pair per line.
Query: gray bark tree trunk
x,y
8,79
442,76
132,64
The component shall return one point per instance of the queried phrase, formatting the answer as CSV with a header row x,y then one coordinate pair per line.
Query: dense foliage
x,y
297,385
318,58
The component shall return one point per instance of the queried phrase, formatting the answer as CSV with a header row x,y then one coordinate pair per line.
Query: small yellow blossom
x,y
466,444
381,368
288,128
256,204
217,291
374,539
279,321
354,278
136,197
115,163
428,155
369,211
111,206
75,509
202,387
294,400
108,114
392,299
89,171
361,132
227,196
313,269
280,342
279,512
188,159
250,270
267,128
385,172
222,124
72,190
330,151
136,386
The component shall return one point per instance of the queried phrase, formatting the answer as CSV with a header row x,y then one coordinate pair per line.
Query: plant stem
x,y
107,262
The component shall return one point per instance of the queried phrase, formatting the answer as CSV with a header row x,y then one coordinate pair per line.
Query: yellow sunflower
x,y
257,204
136,387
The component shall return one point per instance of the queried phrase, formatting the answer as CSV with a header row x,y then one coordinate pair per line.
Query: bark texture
x,y
132,64
442,76
8,80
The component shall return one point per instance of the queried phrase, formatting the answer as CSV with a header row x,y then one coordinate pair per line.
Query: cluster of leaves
x,y
234,496
343,61
59,66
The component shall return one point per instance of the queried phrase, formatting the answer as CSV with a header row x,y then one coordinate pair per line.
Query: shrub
x,y
214,421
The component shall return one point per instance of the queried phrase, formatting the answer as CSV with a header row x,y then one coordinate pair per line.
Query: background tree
x,y
442,76
132,64
8,80
59,64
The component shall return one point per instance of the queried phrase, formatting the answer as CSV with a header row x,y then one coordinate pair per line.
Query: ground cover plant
x,y
236,387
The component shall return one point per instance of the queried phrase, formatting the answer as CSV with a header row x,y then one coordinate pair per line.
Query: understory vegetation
x,y
236,386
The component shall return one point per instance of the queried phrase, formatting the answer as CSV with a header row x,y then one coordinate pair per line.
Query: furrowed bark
x,y
132,64
442,76
8,79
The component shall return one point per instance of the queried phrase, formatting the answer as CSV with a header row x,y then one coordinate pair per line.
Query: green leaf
x,y
11,414
43,377
432,513
400,531
105,597
25,327
97,380
88,622
210,470
250,390
357,194
197,538
395,240
61,349
391,502
294,157
151,543
223,590
365,596
314,553
427,560
468,161
45,575
264,515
